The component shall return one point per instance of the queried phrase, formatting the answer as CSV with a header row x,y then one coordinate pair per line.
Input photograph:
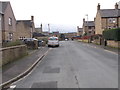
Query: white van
x,y
53,41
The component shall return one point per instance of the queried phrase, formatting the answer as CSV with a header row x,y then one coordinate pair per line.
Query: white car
x,y
53,41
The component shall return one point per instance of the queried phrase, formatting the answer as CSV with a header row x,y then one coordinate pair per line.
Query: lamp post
x,y
49,29
87,21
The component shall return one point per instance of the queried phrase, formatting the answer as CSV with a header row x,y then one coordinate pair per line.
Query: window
x,y
89,27
10,21
10,36
112,20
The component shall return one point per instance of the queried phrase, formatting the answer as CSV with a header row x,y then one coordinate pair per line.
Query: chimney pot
x,y
116,6
32,18
83,19
98,7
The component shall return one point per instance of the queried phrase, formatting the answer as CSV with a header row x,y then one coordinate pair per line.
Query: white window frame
x,y
10,21
112,20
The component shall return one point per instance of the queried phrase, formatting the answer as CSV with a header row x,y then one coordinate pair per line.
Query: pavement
x,y
14,69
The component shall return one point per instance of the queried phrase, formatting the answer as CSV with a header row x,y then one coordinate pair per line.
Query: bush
x,y
112,34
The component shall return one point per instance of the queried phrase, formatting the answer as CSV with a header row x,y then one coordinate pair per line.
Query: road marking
x,y
13,86
111,52
99,47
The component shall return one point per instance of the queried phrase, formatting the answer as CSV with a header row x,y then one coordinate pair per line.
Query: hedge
x,y
112,34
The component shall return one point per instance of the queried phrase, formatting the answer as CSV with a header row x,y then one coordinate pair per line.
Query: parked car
x,y
53,41
40,43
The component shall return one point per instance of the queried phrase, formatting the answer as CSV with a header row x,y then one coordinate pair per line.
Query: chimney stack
x,y
98,7
41,25
32,18
83,19
116,6
94,19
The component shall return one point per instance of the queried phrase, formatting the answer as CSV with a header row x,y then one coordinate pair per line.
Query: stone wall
x,y
113,43
13,53
23,30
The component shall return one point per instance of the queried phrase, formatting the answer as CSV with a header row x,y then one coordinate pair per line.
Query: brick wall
x,y
10,54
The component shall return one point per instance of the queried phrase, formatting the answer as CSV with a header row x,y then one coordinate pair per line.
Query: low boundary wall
x,y
13,53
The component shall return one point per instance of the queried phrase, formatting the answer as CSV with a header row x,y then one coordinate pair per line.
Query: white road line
x,y
111,52
99,47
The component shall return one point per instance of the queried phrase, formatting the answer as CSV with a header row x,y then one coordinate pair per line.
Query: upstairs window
x,y
10,21
112,20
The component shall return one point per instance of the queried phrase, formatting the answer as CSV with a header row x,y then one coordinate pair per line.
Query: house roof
x,y
35,34
80,29
89,23
109,12
4,6
26,22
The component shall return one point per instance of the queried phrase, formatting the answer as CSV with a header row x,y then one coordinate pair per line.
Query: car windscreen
x,y
53,38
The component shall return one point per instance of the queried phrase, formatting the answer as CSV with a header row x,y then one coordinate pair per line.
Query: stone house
x,y
88,28
79,31
107,19
8,22
39,29
70,34
25,28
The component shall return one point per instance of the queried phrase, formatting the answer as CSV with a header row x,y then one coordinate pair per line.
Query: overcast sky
x,y
63,13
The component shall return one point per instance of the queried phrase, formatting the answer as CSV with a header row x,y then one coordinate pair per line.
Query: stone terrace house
x,y
79,31
107,19
88,28
39,29
25,28
8,22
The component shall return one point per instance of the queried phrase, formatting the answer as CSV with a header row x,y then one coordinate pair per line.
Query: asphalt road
x,y
74,65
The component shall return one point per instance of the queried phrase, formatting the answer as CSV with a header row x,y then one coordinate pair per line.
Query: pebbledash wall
x,y
10,54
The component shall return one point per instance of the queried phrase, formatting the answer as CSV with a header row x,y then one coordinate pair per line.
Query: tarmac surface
x,y
74,65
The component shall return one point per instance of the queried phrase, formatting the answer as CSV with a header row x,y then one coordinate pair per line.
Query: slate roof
x,y
35,34
110,12
26,22
80,29
89,23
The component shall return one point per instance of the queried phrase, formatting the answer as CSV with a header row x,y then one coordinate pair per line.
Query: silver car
x,y
53,41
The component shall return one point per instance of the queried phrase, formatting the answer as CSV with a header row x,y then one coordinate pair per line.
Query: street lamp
x,y
49,29
87,21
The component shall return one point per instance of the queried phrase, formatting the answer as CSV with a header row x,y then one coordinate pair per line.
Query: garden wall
x,y
10,54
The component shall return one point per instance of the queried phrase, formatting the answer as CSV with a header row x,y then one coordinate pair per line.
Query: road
x,y
74,65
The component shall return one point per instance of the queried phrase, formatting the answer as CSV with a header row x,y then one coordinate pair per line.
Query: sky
x,y
62,15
